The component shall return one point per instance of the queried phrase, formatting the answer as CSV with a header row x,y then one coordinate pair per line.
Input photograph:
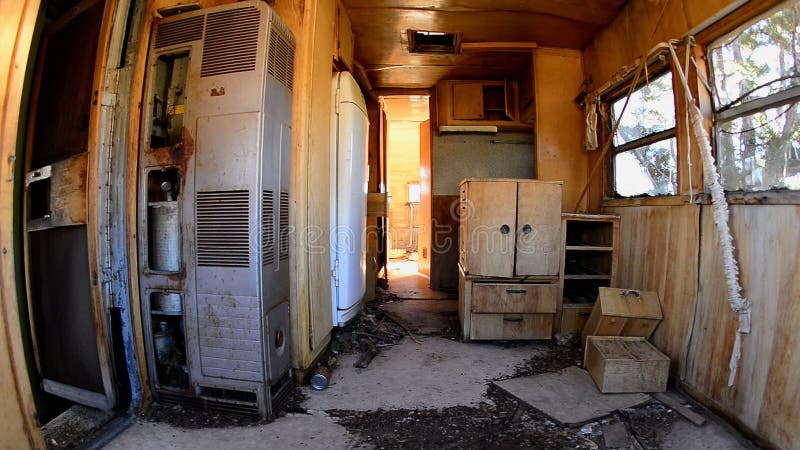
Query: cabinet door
x,y
468,101
538,229
491,211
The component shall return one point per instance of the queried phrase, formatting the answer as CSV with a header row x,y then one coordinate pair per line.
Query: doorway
x,y
408,180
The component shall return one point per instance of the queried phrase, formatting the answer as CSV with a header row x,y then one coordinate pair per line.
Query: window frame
x,y
657,67
722,114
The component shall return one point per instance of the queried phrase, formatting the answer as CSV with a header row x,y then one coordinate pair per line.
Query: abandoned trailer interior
x,y
400,224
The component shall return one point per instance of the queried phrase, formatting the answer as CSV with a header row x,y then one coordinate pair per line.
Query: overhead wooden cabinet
x,y
510,228
494,103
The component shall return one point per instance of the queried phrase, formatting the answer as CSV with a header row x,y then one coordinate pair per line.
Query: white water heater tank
x,y
348,197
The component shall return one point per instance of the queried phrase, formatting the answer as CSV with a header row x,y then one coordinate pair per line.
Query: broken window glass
x,y
757,101
649,170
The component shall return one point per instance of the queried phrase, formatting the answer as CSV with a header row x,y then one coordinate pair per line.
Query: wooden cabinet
x,y
510,227
507,308
591,253
509,258
479,102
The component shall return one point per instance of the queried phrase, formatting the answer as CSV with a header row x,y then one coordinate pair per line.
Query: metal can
x,y
164,236
321,378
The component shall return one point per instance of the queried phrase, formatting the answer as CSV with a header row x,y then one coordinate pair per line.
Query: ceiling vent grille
x,y
223,229
179,31
280,61
284,226
268,227
231,42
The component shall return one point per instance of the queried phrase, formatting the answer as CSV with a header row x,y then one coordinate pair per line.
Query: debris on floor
x,y
568,396
193,418
75,425
371,330
502,422
552,358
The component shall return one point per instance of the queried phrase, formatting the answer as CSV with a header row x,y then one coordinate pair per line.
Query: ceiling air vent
x,y
223,229
433,42
231,42
179,31
268,227
280,61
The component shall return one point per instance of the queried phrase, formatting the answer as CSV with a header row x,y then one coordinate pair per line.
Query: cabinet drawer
x,y
574,317
511,326
514,298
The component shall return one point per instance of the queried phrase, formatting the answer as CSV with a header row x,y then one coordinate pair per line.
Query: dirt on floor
x,y
189,417
502,423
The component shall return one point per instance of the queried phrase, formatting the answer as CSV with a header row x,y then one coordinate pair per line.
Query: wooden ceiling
x,y
406,108
380,28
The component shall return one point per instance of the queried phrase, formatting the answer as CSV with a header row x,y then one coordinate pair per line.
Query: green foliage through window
x,y
757,101
645,150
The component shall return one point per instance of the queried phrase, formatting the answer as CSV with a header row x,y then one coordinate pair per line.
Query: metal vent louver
x,y
179,31
268,227
223,229
280,61
231,42
284,226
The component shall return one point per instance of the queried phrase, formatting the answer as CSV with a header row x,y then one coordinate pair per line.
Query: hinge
x,y
335,272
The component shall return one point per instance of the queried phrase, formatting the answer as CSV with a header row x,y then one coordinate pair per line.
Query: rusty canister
x,y
164,236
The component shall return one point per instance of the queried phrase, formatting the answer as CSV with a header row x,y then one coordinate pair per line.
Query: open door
x,y
424,241
68,319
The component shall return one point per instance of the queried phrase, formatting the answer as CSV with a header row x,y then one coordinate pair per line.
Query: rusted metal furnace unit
x,y
214,169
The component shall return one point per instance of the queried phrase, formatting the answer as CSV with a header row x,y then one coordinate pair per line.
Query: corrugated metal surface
x,y
230,337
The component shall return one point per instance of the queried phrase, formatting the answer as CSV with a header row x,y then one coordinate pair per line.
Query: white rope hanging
x,y
738,304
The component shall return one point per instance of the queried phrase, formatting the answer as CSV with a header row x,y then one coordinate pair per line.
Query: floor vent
x,y
179,31
231,42
223,229
221,405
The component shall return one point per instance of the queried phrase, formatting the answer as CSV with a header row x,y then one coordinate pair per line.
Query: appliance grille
x,y
231,42
268,227
179,31
280,61
284,226
223,229
222,406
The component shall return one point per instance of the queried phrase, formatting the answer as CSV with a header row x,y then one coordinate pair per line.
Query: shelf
x,y
589,248
155,312
587,277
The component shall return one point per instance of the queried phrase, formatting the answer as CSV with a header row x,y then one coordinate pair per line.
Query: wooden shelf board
x,y
587,277
595,248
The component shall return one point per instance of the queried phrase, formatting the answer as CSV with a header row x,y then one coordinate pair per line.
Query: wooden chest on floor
x,y
623,312
626,364
506,309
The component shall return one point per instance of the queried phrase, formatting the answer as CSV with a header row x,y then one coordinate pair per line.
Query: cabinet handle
x,y
514,320
505,229
527,229
516,291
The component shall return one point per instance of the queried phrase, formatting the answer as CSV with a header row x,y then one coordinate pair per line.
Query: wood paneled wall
x,y
653,238
558,75
672,248
18,424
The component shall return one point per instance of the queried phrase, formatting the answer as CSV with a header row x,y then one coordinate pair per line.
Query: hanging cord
x,y
607,146
739,305
689,44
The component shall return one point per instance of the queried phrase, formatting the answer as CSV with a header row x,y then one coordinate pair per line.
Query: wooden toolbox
x,y
620,364
623,312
